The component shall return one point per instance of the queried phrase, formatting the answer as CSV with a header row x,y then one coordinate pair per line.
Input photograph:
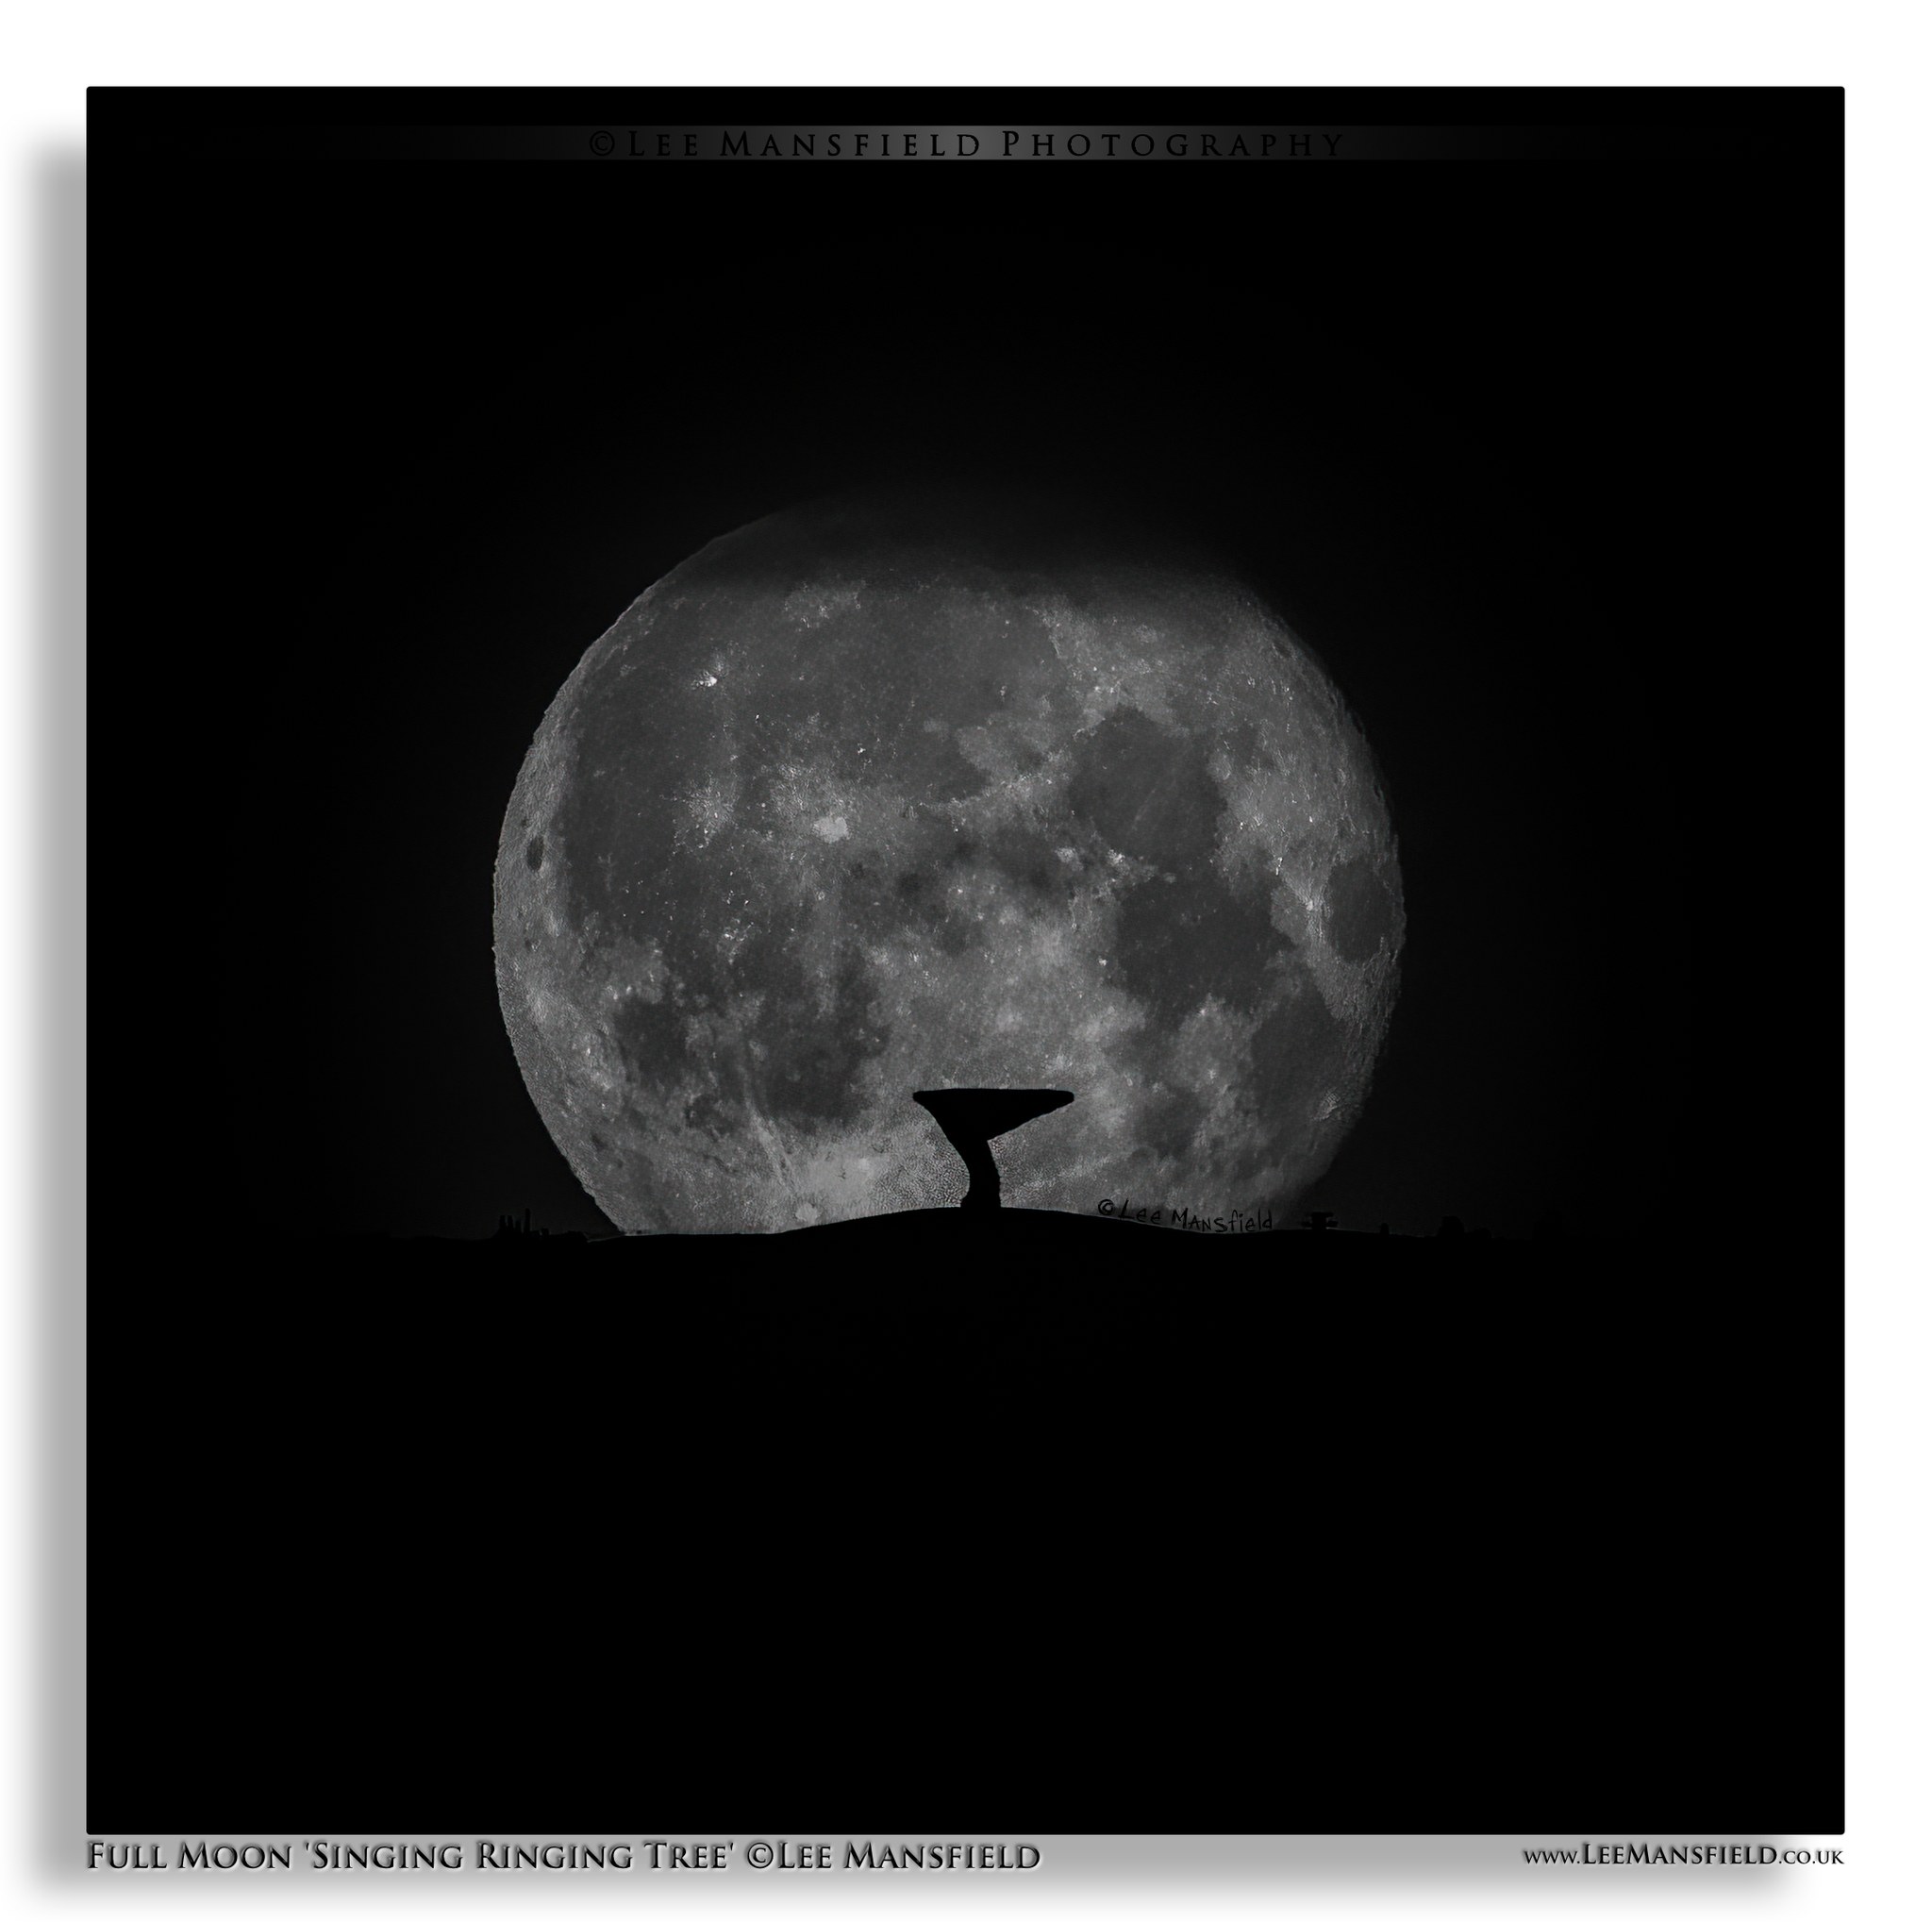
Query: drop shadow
x,y
57,789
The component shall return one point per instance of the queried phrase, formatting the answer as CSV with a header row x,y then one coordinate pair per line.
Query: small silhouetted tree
x,y
974,1118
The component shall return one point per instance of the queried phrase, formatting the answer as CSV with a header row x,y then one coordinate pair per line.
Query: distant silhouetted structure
x,y
1319,1221
509,1228
971,1118
1451,1229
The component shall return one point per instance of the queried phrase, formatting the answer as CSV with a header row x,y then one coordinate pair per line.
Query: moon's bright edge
x,y
845,807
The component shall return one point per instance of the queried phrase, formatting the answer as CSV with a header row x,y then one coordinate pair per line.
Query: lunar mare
x,y
862,800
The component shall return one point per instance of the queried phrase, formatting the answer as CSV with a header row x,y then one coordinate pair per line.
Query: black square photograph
x,y
989,961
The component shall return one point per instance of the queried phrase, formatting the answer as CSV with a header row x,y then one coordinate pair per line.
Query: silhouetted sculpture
x,y
1319,1221
971,1118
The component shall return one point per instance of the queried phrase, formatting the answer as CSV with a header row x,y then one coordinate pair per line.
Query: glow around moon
x,y
862,800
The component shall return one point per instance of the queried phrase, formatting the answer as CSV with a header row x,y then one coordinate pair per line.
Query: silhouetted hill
x,y
1004,1522
1027,1330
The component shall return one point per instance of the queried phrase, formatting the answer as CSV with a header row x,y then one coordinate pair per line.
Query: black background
x,y
1541,456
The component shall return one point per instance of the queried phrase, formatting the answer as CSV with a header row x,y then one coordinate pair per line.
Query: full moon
x,y
868,798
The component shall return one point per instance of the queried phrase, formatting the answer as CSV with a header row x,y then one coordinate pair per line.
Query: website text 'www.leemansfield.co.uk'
x,y
705,1858
1680,1854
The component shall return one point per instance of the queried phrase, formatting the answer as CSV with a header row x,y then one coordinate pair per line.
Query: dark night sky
x,y
1543,459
